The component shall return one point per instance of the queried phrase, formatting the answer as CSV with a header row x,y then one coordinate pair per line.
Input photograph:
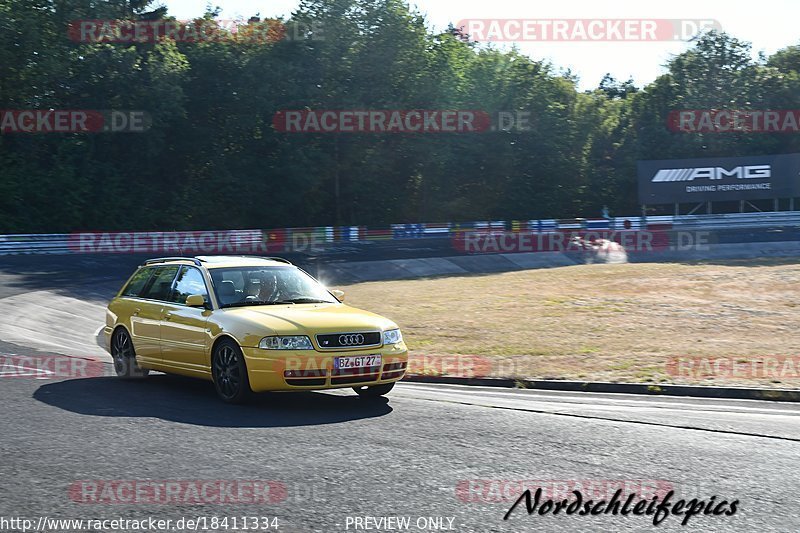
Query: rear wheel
x,y
230,373
124,356
374,391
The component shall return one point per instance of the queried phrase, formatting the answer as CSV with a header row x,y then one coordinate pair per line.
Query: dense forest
x,y
212,158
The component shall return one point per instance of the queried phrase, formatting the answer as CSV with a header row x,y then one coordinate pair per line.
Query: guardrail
x,y
34,244
300,239
737,220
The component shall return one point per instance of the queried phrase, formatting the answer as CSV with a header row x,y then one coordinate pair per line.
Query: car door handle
x,y
137,311
168,316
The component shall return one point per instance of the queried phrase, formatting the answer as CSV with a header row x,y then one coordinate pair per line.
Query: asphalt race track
x,y
450,453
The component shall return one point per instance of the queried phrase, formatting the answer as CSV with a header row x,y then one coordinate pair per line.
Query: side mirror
x,y
339,295
196,300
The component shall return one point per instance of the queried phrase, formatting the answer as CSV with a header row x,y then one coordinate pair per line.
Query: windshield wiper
x,y
255,302
306,301
290,301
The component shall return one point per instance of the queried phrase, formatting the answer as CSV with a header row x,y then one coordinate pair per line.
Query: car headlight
x,y
286,342
393,336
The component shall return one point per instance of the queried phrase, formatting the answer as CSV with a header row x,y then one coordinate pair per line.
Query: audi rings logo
x,y
353,339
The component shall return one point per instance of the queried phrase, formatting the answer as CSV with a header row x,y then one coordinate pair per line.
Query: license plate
x,y
361,361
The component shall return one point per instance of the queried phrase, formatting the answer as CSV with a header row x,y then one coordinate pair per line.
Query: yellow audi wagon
x,y
249,324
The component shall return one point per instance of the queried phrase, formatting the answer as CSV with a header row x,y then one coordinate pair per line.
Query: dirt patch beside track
x,y
624,322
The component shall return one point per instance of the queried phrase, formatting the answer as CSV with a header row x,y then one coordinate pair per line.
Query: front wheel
x,y
230,373
374,391
124,357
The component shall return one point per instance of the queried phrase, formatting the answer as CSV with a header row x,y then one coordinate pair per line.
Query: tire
x,y
124,356
230,373
374,391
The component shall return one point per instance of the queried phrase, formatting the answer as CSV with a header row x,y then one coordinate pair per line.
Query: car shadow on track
x,y
192,401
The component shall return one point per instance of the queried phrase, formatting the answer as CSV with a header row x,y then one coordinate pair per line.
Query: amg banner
x,y
719,179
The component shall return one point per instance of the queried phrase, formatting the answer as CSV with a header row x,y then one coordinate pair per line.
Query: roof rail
x,y
279,259
194,260
207,258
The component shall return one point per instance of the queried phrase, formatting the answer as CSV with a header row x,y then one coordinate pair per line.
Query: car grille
x,y
393,370
354,379
344,376
334,341
316,382
305,378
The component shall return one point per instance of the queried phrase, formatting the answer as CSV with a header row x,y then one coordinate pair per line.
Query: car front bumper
x,y
274,370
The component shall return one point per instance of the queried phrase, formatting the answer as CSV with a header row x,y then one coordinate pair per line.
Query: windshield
x,y
243,286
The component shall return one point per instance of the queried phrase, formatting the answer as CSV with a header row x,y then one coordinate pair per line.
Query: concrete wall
x,y
359,271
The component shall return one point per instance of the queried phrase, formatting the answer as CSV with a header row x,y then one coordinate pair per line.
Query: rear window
x,y
160,283
137,282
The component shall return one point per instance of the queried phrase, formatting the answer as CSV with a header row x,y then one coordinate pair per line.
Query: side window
x,y
160,284
137,282
190,281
